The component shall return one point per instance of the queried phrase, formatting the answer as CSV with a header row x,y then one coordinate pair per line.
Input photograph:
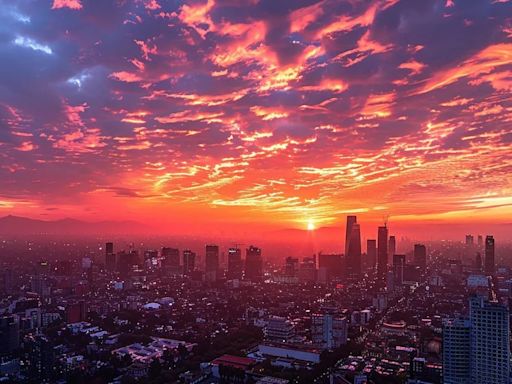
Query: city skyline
x,y
258,115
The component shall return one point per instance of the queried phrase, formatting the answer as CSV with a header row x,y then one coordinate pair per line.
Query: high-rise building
x,y
9,334
235,263
253,264
6,281
382,251
329,330
489,255
470,240
371,254
189,261
279,329
41,356
478,261
391,247
110,257
171,257
211,262
398,269
476,350
351,220
307,270
291,267
353,255
457,351
420,256
490,342
480,241
331,265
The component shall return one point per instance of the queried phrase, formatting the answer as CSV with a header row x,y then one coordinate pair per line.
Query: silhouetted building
x,y
391,247
330,266
457,351
351,220
291,267
480,241
382,251
41,357
171,257
307,270
489,255
420,256
126,261
235,263
353,247
189,261
470,240
6,281
110,257
9,334
371,254
478,261
398,269
253,264
211,262
76,312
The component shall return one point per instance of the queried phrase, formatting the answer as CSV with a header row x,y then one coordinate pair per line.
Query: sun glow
x,y
311,225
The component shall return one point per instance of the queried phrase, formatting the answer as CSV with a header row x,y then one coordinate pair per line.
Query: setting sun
x,y
311,225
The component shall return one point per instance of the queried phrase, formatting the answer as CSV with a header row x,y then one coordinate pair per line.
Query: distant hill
x,y
16,225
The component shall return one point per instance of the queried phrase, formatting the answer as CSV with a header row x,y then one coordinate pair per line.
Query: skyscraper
x,y
351,220
382,251
480,241
189,261
211,262
110,257
476,350
253,263
235,264
420,256
353,255
398,269
470,240
457,351
371,254
391,248
171,257
490,346
489,255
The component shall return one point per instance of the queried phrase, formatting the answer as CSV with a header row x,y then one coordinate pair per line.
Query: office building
x,y
490,342
476,350
211,269
307,270
490,265
110,257
329,330
456,351
189,261
398,269
235,263
371,254
351,220
253,264
420,256
470,240
170,257
382,251
391,247
9,334
353,247
330,265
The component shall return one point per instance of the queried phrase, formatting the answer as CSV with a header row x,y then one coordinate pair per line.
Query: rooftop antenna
x,y
386,219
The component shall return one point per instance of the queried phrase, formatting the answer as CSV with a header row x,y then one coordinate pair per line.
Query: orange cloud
x,y
484,63
71,4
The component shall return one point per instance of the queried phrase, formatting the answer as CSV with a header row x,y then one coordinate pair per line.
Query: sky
x,y
260,114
